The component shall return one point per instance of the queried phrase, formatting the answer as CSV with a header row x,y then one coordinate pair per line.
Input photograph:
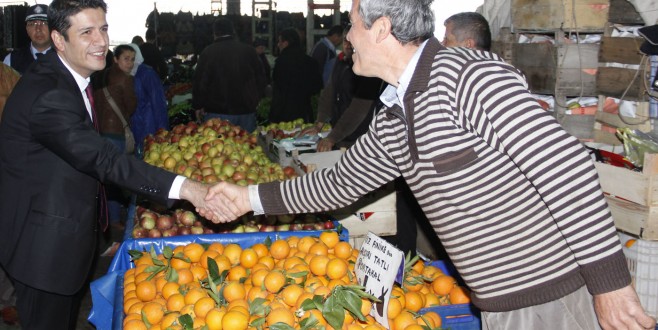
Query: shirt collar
x,y
80,80
34,51
394,95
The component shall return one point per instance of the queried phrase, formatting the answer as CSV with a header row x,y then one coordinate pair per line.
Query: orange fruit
x,y
318,248
267,260
305,243
433,318
291,293
198,272
394,308
153,312
203,306
234,290
235,320
414,327
233,251
214,318
630,243
128,303
443,284
175,302
134,316
216,246
236,273
169,319
177,263
366,306
135,325
193,295
292,261
279,249
418,266
280,315
146,290
414,301
336,268
193,251
256,292
302,297
145,259
274,281
431,299
136,307
318,265
317,315
248,258
223,263
258,277
343,250
322,291
431,272
459,295
198,323
329,238
403,320
292,241
212,254
185,276
261,249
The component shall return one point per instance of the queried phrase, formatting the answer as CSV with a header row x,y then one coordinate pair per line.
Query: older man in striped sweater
x,y
514,199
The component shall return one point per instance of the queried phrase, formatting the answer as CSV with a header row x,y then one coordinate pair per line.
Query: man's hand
x,y
621,309
226,202
324,145
194,192
309,131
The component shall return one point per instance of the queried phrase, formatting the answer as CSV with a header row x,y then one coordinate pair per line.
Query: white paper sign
x,y
376,268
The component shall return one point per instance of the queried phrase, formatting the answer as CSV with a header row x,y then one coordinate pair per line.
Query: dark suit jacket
x,y
296,78
51,162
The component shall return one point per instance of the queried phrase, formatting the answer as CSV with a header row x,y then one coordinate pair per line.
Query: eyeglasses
x,y
36,23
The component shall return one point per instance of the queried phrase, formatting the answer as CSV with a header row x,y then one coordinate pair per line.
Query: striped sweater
x,y
514,199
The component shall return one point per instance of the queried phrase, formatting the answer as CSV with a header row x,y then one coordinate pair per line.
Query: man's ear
x,y
470,43
58,40
383,28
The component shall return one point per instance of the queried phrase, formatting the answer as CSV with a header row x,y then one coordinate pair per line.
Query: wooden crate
x,y
615,81
633,196
590,15
562,69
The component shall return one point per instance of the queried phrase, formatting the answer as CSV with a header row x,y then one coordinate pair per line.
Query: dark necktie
x,y
90,97
103,212
38,55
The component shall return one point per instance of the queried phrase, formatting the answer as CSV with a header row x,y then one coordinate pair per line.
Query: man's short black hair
x,y
291,36
222,27
150,34
471,25
336,30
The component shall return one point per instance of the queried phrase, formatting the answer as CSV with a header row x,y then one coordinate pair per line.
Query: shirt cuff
x,y
174,191
254,200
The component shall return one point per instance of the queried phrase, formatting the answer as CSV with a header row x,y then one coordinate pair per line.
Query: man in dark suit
x,y
51,162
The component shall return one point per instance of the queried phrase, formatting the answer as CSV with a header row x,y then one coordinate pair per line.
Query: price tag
x,y
376,269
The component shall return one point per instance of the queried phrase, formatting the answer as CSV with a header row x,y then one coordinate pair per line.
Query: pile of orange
x,y
266,285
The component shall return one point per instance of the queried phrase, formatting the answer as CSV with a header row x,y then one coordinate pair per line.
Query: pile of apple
x,y
151,224
211,152
288,129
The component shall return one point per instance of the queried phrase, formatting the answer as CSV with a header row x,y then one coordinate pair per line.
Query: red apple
x,y
173,231
154,233
147,222
164,222
139,232
187,218
329,224
196,230
184,230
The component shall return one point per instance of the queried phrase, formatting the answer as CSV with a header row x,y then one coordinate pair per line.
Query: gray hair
x,y
412,21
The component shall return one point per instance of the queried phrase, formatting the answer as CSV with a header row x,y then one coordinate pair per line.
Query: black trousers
x,y
41,310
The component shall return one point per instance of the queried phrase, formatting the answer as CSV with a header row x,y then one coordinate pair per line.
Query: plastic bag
x,y
636,144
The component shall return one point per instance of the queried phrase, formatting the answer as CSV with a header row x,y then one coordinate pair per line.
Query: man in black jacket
x,y
36,24
229,80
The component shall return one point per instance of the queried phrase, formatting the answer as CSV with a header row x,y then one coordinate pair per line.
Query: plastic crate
x,y
642,261
107,291
459,316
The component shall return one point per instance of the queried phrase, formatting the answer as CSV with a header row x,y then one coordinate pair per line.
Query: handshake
x,y
222,202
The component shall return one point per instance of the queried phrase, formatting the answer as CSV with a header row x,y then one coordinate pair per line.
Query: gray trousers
x,y
572,312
